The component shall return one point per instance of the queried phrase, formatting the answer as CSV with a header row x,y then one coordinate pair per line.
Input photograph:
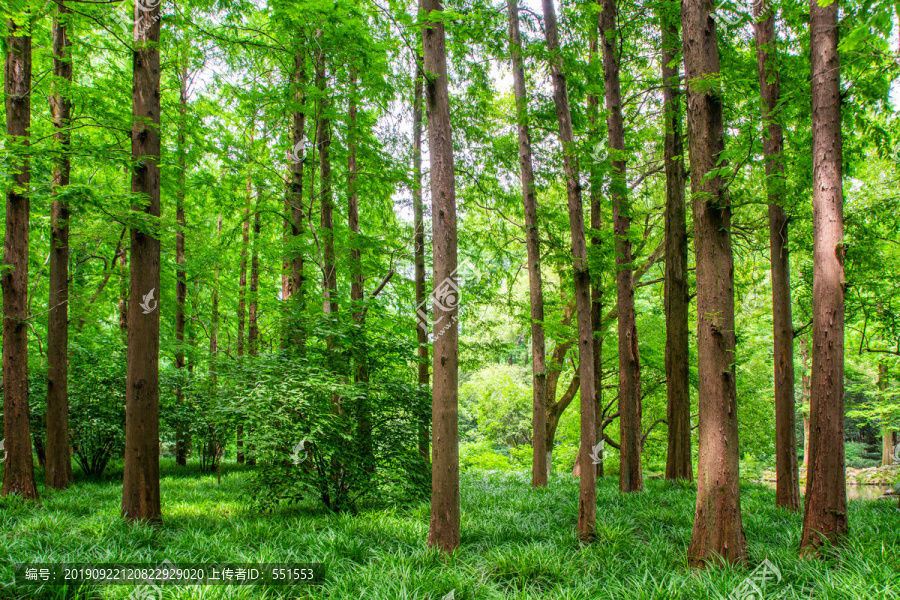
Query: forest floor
x,y
516,543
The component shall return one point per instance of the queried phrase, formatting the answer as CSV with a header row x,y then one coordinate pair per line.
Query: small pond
x,y
854,491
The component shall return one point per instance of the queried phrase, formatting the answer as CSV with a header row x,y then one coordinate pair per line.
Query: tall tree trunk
x,y
18,468
123,293
140,487
242,300
596,182
323,142
587,498
444,528
214,325
181,436
805,388
58,460
677,301
718,533
419,242
825,514
887,433
533,247
787,476
253,313
630,478
293,282
356,273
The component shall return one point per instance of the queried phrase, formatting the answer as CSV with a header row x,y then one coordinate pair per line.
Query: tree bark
x,y
677,298
587,499
419,252
181,437
787,475
630,477
825,514
58,472
253,312
718,533
444,528
140,487
533,248
18,468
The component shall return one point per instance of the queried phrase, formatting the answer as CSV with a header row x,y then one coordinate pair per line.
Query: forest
x,y
451,300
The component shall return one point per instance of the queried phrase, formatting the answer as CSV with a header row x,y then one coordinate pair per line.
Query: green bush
x,y
481,456
855,456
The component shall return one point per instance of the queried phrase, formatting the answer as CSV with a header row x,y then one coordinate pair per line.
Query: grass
x,y
517,543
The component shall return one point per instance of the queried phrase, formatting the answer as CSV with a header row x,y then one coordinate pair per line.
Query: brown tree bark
x,y
444,528
825,514
18,468
787,475
140,486
356,273
419,252
630,477
587,499
253,312
718,533
58,471
533,248
123,292
677,294
181,436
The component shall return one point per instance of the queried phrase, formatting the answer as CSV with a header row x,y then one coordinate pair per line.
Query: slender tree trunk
x,y
326,230
123,293
253,313
444,528
533,246
18,468
293,283
356,273
140,487
718,533
587,499
596,182
419,242
887,433
678,391
787,476
242,300
630,478
58,458
805,386
825,514
181,436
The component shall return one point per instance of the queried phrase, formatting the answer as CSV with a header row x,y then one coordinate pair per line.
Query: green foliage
x,y
498,400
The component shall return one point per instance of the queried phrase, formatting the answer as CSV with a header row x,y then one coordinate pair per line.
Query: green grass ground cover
x,y
517,543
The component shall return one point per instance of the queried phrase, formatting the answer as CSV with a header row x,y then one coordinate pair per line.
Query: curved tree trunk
x,y
678,390
825,514
787,476
140,486
587,499
58,473
533,247
718,533
18,468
